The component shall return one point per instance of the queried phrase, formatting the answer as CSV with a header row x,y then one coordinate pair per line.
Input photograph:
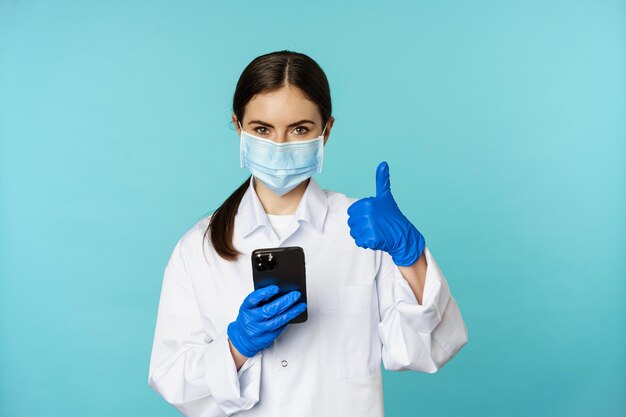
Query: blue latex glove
x,y
377,223
256,326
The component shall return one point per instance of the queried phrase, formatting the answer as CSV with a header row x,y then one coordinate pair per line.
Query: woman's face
x,y
284,115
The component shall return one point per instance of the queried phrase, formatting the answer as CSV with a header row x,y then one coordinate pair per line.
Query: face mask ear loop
x,y
240,145
321,149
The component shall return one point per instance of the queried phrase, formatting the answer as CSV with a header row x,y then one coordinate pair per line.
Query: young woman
x,y
374,290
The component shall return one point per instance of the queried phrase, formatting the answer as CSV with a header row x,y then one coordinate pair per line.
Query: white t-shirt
x,y
361,311
280,223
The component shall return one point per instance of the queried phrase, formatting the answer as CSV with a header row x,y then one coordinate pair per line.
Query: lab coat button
x,y
284,363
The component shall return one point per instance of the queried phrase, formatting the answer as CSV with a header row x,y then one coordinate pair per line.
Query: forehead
x,y
282,106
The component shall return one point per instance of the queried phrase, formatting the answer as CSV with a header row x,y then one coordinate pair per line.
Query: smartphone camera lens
x,y
265,261
271,261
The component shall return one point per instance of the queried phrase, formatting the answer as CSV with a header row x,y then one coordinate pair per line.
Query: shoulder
x,y
193,238
338,202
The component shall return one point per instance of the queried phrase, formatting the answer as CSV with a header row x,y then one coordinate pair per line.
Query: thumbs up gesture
x,y
377,223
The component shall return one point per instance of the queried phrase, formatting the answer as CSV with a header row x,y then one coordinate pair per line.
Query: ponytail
x,y
222,224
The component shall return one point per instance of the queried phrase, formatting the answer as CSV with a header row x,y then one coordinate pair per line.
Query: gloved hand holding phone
x,y
257,326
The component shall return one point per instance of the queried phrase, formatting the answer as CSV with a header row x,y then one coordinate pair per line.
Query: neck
x,y
275,204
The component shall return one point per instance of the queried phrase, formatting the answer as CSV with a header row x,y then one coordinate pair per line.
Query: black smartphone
x,y
283,267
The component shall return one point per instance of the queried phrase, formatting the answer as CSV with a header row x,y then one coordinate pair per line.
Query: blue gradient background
x,y
502,121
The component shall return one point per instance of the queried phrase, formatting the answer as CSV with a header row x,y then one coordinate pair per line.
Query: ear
x,y
234,119
331,121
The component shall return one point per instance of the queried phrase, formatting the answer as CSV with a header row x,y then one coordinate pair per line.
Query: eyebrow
x,y
260,122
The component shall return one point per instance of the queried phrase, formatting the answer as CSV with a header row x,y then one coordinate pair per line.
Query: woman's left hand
x,y
378,223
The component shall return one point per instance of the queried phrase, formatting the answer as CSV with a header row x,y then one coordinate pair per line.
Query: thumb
x,y
383,184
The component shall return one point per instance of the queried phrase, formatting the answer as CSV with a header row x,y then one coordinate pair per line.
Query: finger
x,y
285,317
353,221
352,208
363,206
255,297
359,206
279,305
355,232
383,183
275,333
364,240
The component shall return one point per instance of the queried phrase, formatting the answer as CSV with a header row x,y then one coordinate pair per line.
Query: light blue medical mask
x,y
281,166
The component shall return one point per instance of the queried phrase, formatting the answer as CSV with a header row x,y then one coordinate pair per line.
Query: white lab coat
x,y
360,310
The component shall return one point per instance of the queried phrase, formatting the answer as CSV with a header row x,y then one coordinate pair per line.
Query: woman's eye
x,y
303,131
263,133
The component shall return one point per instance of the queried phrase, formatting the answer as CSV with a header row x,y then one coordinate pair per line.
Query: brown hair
x,y
264,74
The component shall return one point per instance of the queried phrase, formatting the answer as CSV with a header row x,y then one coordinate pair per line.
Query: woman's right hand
x,y
256,327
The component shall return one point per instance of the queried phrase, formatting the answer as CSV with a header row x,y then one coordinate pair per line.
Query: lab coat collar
x,y
312,208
